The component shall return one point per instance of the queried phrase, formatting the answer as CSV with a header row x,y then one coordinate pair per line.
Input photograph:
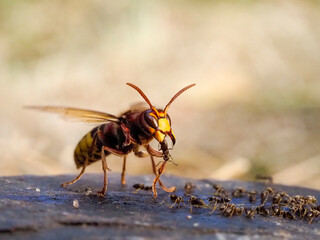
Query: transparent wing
x,y
77,114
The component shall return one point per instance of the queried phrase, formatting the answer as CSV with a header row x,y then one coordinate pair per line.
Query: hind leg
x,y
79,176
85,164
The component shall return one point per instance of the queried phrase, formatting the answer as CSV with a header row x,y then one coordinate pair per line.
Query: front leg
x,y
160,171
139,153
153,152
171,189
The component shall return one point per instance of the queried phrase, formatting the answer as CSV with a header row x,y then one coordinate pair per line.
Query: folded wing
x,y
77,114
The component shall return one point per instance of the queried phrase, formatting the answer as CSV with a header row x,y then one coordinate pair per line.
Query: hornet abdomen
x,y
112,136
82,149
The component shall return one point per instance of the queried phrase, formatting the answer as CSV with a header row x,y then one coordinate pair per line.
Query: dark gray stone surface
x,y
36,207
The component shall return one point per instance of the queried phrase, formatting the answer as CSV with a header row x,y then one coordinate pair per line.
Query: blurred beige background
x,y
255,109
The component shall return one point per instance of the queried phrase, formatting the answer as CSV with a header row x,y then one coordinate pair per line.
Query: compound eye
x,y
152,121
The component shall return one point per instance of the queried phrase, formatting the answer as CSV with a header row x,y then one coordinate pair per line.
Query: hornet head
x,y
158,121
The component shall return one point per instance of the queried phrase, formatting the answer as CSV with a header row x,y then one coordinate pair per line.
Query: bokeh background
x,y
254,111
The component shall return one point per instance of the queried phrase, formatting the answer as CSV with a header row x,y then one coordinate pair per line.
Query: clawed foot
x,y
65,184
101,193
172,189
155,194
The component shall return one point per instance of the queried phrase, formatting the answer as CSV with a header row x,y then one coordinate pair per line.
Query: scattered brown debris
x,y
273,203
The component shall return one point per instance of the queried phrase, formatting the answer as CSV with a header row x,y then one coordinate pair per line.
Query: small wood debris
x,y
76,203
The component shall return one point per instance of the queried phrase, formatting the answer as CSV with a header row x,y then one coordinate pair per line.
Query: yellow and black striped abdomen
x,y
82,149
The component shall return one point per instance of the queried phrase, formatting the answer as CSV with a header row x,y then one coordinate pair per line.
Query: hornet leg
x,y
151,153
117,153
123,177
104,168
160,171
84,165
155,153
171,189
79,176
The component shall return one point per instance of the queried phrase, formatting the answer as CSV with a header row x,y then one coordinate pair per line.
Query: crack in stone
x,y
18,229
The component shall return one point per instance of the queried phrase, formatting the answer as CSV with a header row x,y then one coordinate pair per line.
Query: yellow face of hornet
x,y
159,125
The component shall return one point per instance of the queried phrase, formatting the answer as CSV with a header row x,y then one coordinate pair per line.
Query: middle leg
x,y
120,154
104,168
123,177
